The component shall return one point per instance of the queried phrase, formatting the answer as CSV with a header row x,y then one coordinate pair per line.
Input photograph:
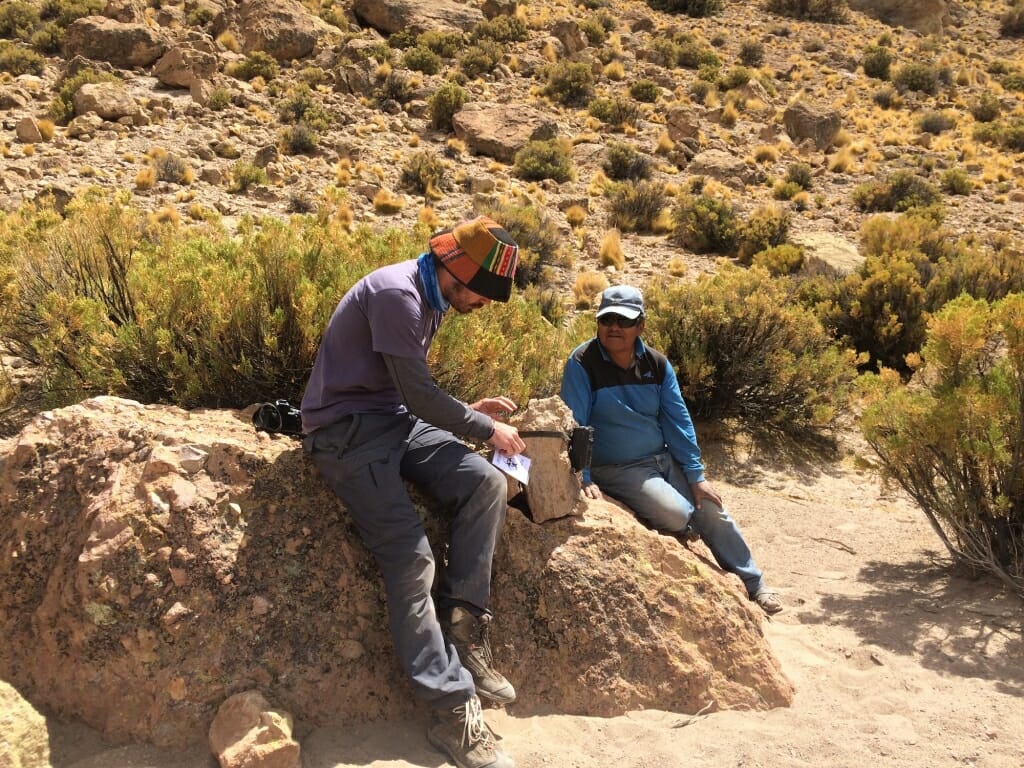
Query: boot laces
x,y
474,729
484,642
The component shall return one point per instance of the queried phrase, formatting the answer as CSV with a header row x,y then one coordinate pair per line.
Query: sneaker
x,y
768,601
468,634
463,735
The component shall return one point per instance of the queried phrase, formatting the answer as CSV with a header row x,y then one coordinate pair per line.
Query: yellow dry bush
x,y
343,216
196,212
614,70
575,215
455,146
414,140
599,183
730,115
841,161
587,287
677,266
28,150
145,178
428,217
387,203
665,144
46,129
611,254
766,153
165,215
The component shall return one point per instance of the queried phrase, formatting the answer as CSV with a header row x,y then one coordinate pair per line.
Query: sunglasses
x,y
619,320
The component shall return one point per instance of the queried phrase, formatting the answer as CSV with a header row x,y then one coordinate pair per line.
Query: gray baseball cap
x,y
622,300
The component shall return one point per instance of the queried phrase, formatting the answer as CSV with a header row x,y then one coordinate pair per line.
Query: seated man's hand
x,y
703,490
591,491
496,407
506,439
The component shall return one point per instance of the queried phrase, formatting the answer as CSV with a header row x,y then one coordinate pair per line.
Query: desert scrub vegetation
x,y
538,160
570,83
448,99
954,442
916,76
876,61
501,29
1011,24
617,111
18,60
480,58
624,161
256,64
745,350
199,316
827,11
694,8
424,174
899,191
706,224
637,206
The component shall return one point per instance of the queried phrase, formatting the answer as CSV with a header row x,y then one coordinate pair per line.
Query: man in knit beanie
x,y
373,418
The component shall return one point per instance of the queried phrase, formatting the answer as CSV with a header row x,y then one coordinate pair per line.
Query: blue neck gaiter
x,y
428,274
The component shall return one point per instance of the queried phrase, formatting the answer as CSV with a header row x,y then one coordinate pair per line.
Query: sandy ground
x,y
897,659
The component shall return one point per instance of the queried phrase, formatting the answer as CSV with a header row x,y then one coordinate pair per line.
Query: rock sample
x,y
554,489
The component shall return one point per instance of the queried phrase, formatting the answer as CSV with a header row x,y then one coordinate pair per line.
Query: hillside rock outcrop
x,y
155,561
929,17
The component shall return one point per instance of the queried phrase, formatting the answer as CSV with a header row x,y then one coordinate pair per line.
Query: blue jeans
x,y
657,491
366,459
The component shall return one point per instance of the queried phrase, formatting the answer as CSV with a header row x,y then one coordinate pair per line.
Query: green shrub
x,y
981,272
244,174
570,83
752,53
593,29
535,232
936,122
736,77
955,181
501,29
63,12
190,317
768,226
916,76
220,98
646,91
299,139
696,9
1014,81
445,44
171,168
616,111
954,442
706,224
1011,24
422,59
62,107
256,64
693,54
625,162
423,173
986,108
877,61
48,38
800,174
743,350
887,98
480,58
448,99
636,207
827,11
780,260
397,86
786,190
18,60
302,106
539,160
18,19
900,191
510,348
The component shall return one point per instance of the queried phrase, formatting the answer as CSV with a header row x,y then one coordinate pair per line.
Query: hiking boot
x,y
463,735
768,601
468,634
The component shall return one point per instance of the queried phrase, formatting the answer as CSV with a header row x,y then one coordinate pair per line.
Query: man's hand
x,y
497,408
703,490
506,439
591,491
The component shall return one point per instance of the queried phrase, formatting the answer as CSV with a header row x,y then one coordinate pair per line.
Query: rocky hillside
x,y
221,109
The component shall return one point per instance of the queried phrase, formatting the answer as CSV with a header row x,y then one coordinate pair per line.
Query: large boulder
x,y
929,17
109,100
123,45
390,16
804,121
285,29
154,562
501,130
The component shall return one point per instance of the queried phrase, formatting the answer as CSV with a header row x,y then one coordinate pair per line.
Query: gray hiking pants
x,y
365,459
